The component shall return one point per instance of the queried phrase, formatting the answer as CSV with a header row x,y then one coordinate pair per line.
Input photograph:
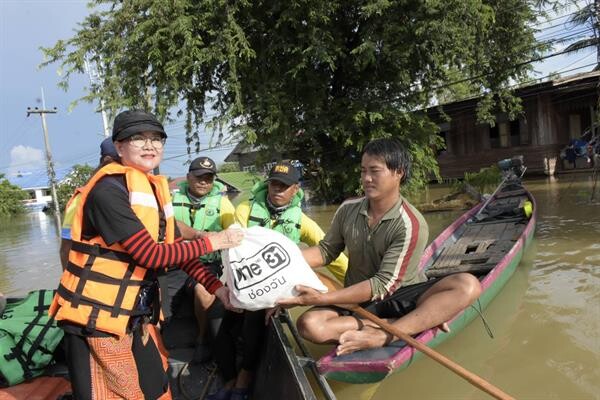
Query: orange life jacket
x,y
99,288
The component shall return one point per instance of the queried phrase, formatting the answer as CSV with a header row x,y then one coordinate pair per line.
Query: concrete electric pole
x,y
49,163
95,81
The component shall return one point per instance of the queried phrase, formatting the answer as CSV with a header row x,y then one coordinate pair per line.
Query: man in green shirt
x,y
200,207
385,237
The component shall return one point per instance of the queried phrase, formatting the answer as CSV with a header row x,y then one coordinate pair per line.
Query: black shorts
x,y
400,303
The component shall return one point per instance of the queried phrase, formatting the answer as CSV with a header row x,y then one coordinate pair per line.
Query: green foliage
x,y
229,167
586,15
485,181
77,177
313,79
11,198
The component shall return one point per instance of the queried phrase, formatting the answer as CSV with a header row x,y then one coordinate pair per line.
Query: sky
x,y
75,134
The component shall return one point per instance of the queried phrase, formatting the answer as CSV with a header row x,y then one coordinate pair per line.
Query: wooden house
x,y
554,113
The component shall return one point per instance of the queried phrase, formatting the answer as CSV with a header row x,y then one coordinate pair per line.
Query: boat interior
x,y
478,245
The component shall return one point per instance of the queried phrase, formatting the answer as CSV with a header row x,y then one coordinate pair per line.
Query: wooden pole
x,y
476,380
454,367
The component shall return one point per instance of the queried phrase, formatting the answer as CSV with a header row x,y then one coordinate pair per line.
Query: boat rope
x,y
487,327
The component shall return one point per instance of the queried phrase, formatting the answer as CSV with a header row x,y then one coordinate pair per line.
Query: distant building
x,y
37,186
246,156
554,113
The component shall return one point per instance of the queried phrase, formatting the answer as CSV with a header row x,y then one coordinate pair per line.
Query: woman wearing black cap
x,y
107,301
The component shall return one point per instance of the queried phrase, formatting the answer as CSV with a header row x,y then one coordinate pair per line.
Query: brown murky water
x,y
546,321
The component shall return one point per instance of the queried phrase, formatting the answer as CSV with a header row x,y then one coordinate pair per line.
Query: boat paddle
x,y
454,367
474,379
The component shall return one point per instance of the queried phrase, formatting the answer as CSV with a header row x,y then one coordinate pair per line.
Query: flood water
x,y
546,321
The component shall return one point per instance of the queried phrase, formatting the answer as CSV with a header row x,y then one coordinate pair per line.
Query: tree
x,y
313,79
78,177
588,17
11,198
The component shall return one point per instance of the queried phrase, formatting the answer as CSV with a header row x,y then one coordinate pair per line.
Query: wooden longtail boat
x,y
487,241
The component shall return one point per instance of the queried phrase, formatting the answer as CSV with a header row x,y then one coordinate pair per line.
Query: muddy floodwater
x,y
545,323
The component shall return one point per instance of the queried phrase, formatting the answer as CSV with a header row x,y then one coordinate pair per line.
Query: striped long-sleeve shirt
x,y
107,213
387,255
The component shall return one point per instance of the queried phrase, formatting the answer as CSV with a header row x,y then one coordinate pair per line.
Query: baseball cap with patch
x,y
284,172
203,165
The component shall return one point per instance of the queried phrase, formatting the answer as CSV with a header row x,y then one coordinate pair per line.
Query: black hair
x,y
394,154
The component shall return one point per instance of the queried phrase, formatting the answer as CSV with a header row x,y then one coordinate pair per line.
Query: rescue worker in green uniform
x,y
201,204
275,204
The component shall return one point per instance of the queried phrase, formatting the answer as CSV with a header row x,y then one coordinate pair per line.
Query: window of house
x,y
515,133
505,134
504,129
494,137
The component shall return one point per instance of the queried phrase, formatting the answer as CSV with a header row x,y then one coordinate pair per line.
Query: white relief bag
x,y
264,268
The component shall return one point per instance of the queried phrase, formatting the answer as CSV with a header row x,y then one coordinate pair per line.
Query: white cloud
x,y
25,158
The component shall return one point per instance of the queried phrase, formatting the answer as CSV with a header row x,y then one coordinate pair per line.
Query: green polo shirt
x,y
387,255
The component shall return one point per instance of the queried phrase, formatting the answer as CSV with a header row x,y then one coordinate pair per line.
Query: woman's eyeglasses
x,y
140,141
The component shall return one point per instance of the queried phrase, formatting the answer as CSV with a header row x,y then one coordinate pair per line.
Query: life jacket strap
x,y
260,221
101,278
98,251
285,221
68,295
190,205
125,282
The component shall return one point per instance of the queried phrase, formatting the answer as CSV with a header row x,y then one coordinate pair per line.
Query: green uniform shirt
x,y
387,255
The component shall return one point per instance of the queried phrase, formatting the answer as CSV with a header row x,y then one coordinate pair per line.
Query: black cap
x,y
130,122
284,172
107,148
203,165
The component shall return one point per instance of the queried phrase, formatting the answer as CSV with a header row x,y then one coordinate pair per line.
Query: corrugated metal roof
x,y
37,179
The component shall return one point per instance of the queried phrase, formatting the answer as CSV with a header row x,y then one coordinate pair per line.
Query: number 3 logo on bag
x,y
265,267
260,266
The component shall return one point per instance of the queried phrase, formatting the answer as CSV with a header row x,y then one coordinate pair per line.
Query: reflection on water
x,y
546,322
29,253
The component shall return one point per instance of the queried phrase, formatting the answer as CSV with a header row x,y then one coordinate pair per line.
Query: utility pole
x,y
49,163
95,80
156,170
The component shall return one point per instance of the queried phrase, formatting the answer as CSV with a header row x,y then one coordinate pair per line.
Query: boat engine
x,y
512,166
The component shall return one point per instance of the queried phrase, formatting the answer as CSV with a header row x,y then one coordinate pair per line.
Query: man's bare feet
x,y
444,327
366,338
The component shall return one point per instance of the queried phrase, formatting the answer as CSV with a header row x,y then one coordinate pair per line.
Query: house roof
x,y
241,148
37,179
561,85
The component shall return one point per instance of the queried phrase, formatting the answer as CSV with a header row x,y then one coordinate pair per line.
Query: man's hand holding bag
x,y
264,268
